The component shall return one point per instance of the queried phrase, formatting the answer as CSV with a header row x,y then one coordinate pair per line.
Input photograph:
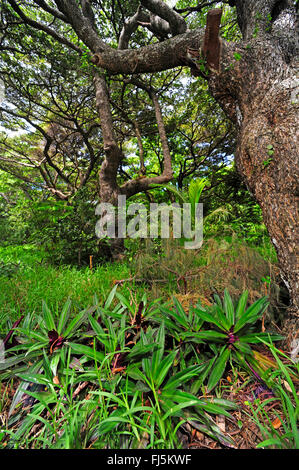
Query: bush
x,y
67,231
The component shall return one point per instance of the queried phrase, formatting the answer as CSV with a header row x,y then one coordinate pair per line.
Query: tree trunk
x,y
260,97
109,188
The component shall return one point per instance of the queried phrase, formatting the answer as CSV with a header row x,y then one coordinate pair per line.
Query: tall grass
x,y
31,281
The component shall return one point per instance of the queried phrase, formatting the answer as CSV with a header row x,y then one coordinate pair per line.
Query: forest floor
x,y
261,414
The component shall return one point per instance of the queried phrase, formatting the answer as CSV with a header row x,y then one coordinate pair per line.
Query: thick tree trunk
x,y
260,97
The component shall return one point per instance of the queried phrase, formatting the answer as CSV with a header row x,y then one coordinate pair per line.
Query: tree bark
x,y
257,89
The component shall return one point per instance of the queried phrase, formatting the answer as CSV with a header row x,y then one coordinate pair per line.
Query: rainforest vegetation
x,y
140,343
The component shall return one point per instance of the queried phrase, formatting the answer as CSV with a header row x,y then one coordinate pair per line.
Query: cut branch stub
x,y
211,43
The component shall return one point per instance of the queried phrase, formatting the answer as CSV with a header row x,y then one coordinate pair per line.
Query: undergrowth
x,y
161,360
122,374
219,264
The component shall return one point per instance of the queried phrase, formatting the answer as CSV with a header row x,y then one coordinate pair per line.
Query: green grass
x,y
23,291
26,278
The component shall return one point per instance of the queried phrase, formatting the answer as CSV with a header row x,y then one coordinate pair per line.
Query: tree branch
x,y
43,4
88,12
129,28
113,153
142,184
198,8
82,25
176,22
156,57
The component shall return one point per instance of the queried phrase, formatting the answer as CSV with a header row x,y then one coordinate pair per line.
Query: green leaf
x,y
146,363
269,442
35,378
172,411
258,337
46,366
12,361
141,387
241,305
180,311
209,406
18,396
204,336
180,321
48,317
163,368
229,308
28,422
64,316
194,191
221,317
96,326
183,376
140,350
101,335
218,368
126,303
159,352
87,351
34,335
77,321
204,315
252,313
54,362
136,374
243,347
110,297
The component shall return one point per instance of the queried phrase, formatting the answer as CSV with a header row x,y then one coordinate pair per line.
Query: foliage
x,y
140,381
232,332
8,269
140,363
37,279
150,369
67,230
282,379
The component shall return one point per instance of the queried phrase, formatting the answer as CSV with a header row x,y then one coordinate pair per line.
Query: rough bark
x,y
257,88
108,173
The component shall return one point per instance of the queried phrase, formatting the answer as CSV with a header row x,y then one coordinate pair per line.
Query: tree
x,y
253,79
57,147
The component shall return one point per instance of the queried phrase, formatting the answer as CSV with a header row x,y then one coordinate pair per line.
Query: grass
x,y
23,290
